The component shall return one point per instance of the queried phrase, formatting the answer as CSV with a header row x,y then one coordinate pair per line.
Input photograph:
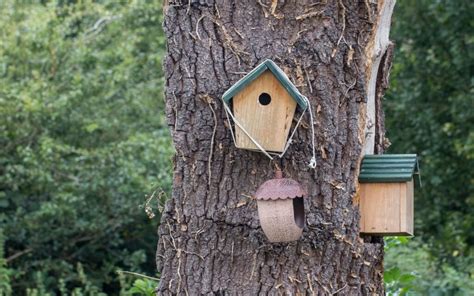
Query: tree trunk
x,y
210,240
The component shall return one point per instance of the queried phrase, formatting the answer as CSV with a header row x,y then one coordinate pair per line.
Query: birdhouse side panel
x,y
406,208
265,109
380,207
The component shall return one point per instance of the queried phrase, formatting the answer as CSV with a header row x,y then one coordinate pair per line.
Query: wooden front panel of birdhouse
x,y
265,109
386,208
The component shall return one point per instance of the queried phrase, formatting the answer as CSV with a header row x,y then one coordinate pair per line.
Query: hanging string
x,y
228,112
312,162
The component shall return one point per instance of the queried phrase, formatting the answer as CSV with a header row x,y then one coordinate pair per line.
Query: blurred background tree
x,y
84,139
429,110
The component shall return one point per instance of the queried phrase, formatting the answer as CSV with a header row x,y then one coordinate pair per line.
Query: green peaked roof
x,y
388,168
279,74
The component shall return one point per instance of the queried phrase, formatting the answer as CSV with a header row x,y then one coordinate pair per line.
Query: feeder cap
x,y
280,188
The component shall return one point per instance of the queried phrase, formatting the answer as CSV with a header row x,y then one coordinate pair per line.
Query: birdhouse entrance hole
x,y
264,99
298,210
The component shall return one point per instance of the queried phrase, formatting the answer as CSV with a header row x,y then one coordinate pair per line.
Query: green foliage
x,y
5,287
429,110
82,143
143,287
427,275
396,281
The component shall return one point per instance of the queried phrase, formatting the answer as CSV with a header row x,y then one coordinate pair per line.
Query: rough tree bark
x,y
210,241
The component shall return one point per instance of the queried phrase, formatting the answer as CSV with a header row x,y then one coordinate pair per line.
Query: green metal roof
x,y
279,74
388,168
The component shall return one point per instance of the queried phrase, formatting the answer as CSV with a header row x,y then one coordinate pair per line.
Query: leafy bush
x,y
396,281
143,287
5,287
412,269
82,142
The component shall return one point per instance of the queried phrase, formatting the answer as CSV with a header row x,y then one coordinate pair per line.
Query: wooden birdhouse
x,y
264,103
281,208
386,194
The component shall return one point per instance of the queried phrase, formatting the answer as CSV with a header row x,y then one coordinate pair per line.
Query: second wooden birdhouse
x,y
386,194
264,103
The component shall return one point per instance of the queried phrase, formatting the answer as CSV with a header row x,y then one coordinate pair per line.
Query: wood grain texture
x,y
386,208
268,124
378,61
409,228
380,207
210,241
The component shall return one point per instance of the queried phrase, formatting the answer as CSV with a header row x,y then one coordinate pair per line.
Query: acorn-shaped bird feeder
x,y
281,208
